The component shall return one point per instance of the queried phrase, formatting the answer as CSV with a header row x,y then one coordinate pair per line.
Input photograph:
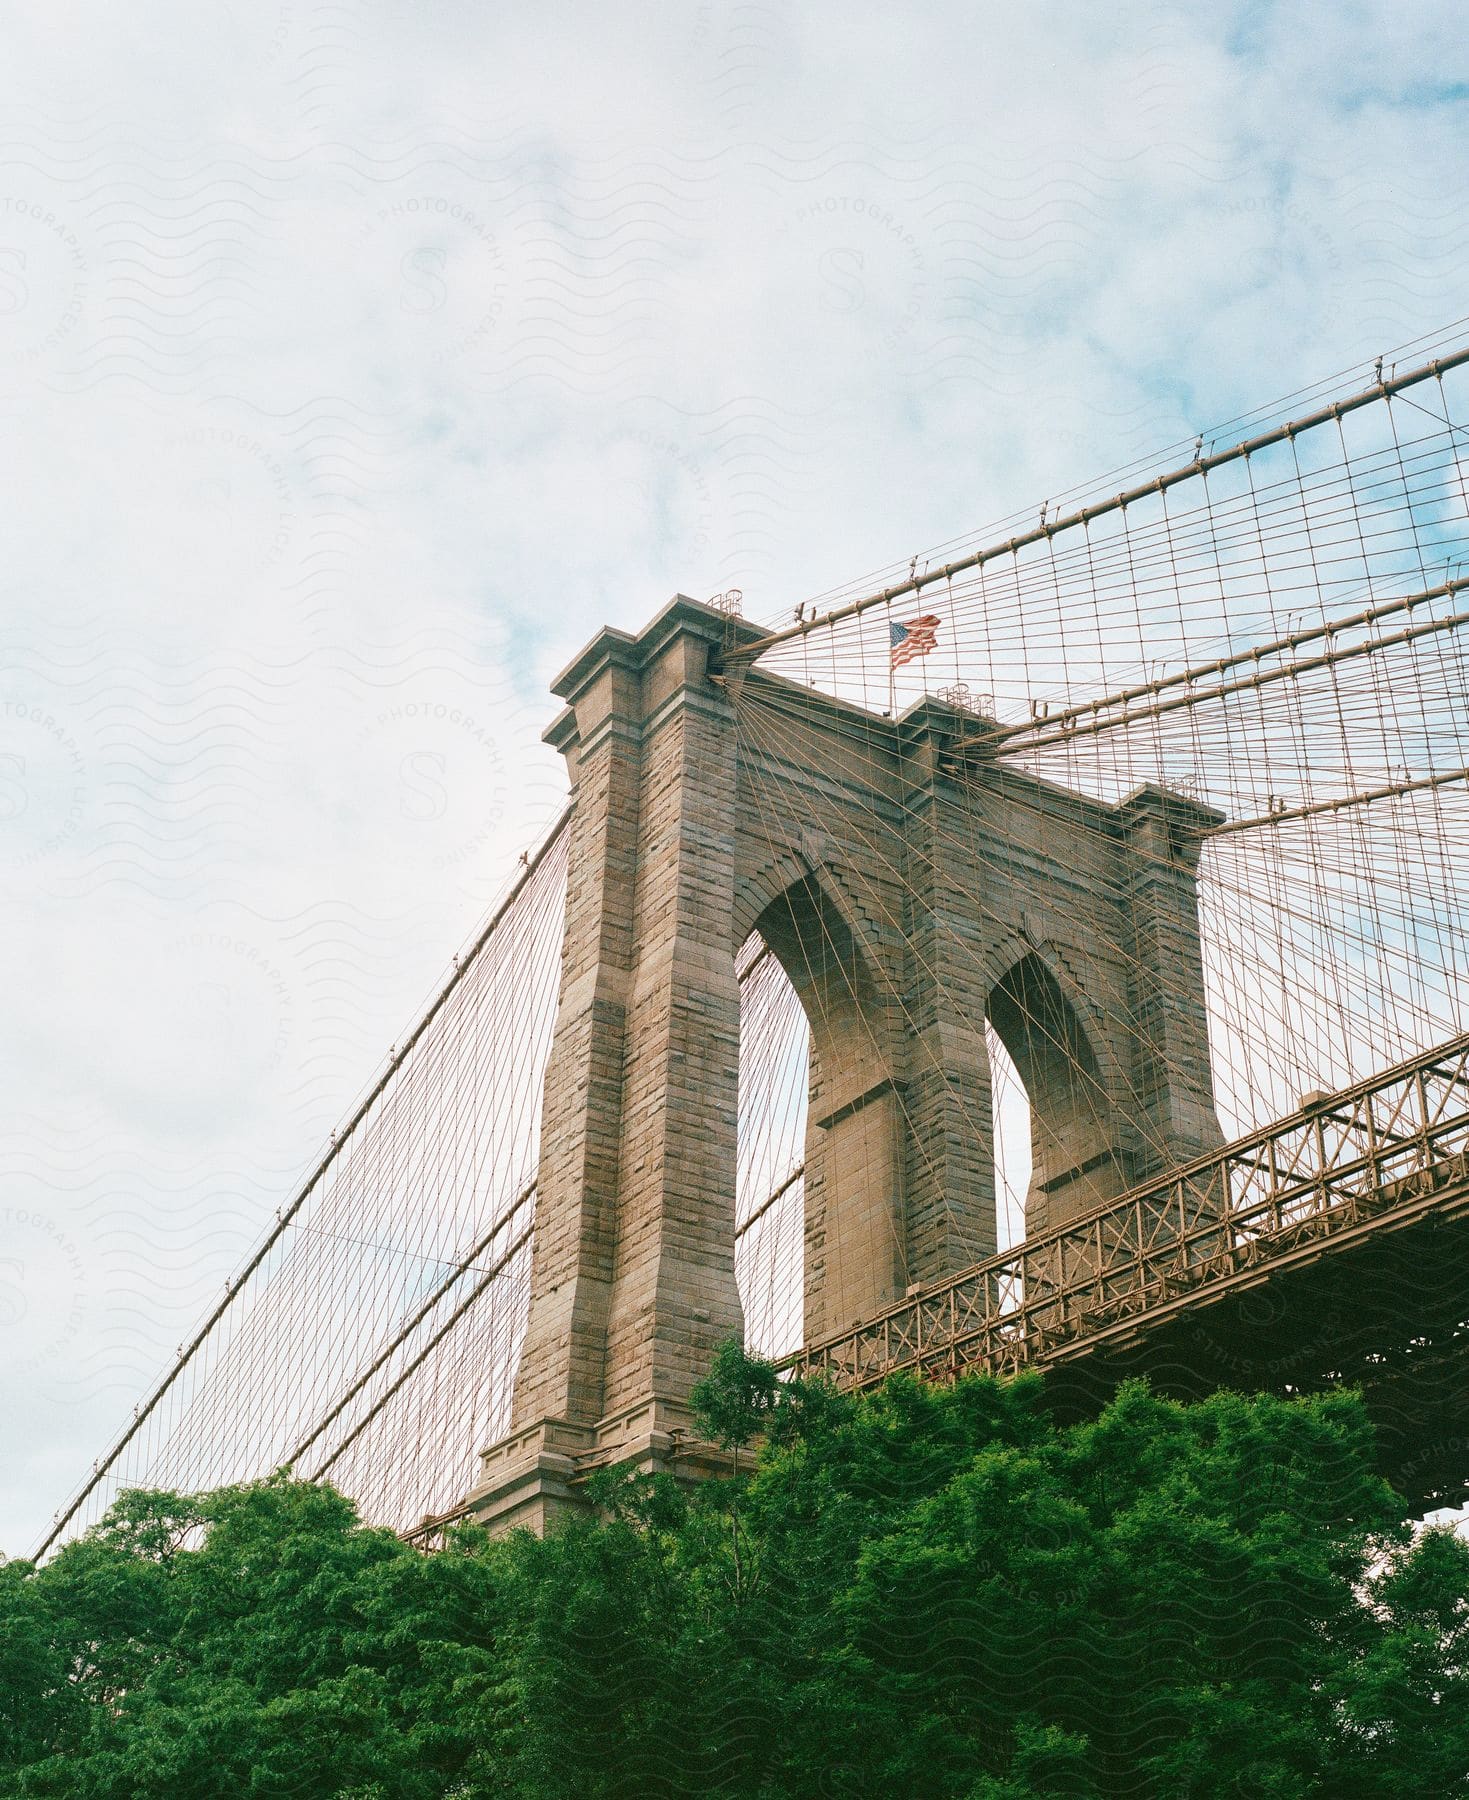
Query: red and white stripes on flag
x,y
915,637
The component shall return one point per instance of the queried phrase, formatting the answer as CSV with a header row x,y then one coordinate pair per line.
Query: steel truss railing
x,y
1396,1141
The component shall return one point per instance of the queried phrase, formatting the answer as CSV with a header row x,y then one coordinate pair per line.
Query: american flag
x,y
913,638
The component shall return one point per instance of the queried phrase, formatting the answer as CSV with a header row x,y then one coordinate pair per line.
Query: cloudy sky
x,y
360,360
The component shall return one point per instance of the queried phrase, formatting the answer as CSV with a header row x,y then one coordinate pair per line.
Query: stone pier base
x,y
536,1477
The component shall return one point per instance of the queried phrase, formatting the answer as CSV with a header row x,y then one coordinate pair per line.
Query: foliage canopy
x,y
931,1591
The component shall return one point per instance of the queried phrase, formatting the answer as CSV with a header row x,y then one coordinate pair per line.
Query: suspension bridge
x,y
1050,951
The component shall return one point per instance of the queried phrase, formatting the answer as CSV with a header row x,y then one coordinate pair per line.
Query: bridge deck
x,y
1331,1247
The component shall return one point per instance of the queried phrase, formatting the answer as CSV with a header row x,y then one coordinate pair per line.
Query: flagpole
x,y
892,672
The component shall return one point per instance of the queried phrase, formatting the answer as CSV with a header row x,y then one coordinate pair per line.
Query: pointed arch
x,y
1075,1160
855,1252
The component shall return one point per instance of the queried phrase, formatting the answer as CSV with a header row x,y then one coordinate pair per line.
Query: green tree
x,y
929,1591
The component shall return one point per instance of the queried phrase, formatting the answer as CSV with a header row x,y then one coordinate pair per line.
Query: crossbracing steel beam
x,y
1370,1155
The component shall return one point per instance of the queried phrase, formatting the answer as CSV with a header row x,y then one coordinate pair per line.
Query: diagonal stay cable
x,y
411,1325
237,1283
491,1275
1201,465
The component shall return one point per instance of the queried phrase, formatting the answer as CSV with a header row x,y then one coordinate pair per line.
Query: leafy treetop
x,y
931,1591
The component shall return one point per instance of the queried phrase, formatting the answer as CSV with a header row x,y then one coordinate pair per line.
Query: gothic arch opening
x,y
814,995
1073,1148
770,1188
1010,1136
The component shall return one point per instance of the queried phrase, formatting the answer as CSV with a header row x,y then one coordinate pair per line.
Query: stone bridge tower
x,y
908,898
